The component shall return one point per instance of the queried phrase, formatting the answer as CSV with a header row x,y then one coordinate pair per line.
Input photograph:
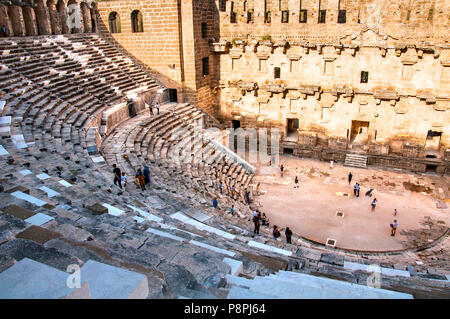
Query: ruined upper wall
x,y
408,21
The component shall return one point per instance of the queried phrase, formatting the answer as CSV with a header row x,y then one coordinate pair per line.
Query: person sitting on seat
x,y
264,220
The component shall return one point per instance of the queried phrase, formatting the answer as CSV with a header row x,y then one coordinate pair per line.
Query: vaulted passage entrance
x,y
292,126
360,132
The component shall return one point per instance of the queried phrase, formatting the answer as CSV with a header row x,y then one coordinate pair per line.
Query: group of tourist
x,y
276,233
259,219
356,189
142,177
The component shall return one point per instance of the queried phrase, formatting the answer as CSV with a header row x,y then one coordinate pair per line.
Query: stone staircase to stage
x,y
355,160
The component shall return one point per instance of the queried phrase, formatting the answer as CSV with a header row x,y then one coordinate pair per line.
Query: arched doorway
x,y
137,24
62,16
114,22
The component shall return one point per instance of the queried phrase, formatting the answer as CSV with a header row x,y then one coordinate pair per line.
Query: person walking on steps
x,y
151,109
146,174
350,176
140,180
124,180
215,202
232,210
157,107
256,222
117,175
288,234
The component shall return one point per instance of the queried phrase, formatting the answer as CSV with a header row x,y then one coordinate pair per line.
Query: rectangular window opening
x,y
268,17
322,15
342,17
205,66
285,16
303,16
204,30
364,76
277,73
430,15
250,16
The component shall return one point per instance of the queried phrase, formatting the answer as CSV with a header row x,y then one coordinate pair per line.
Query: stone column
x,y
42,17
18,26
5,20
29,20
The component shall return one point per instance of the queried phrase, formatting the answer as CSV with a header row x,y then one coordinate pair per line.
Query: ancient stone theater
x,y
215,148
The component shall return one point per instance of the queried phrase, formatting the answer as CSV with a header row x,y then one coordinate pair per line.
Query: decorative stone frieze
x,y
263,55
220,47
235,53
247,86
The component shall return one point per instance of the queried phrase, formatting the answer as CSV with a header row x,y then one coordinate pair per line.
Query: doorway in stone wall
x,y
173,95
360,132
292,125
433,141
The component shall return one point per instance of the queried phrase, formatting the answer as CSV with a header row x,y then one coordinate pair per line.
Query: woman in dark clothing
x,y
288,233
146,174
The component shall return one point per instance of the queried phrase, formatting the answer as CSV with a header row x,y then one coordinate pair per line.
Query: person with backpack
x,y
275,232
374,203
146,174
394,227
256,222
140,180
124,180
288,234
117,176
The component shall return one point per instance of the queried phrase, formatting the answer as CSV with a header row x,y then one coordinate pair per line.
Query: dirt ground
x,y
310,211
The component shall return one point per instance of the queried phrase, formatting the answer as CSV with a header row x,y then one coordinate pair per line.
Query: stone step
x,y
109,282
347,288
29,279
355,160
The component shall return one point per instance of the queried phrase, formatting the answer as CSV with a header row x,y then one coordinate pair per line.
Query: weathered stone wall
x,y
171,43
158,46
406,55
